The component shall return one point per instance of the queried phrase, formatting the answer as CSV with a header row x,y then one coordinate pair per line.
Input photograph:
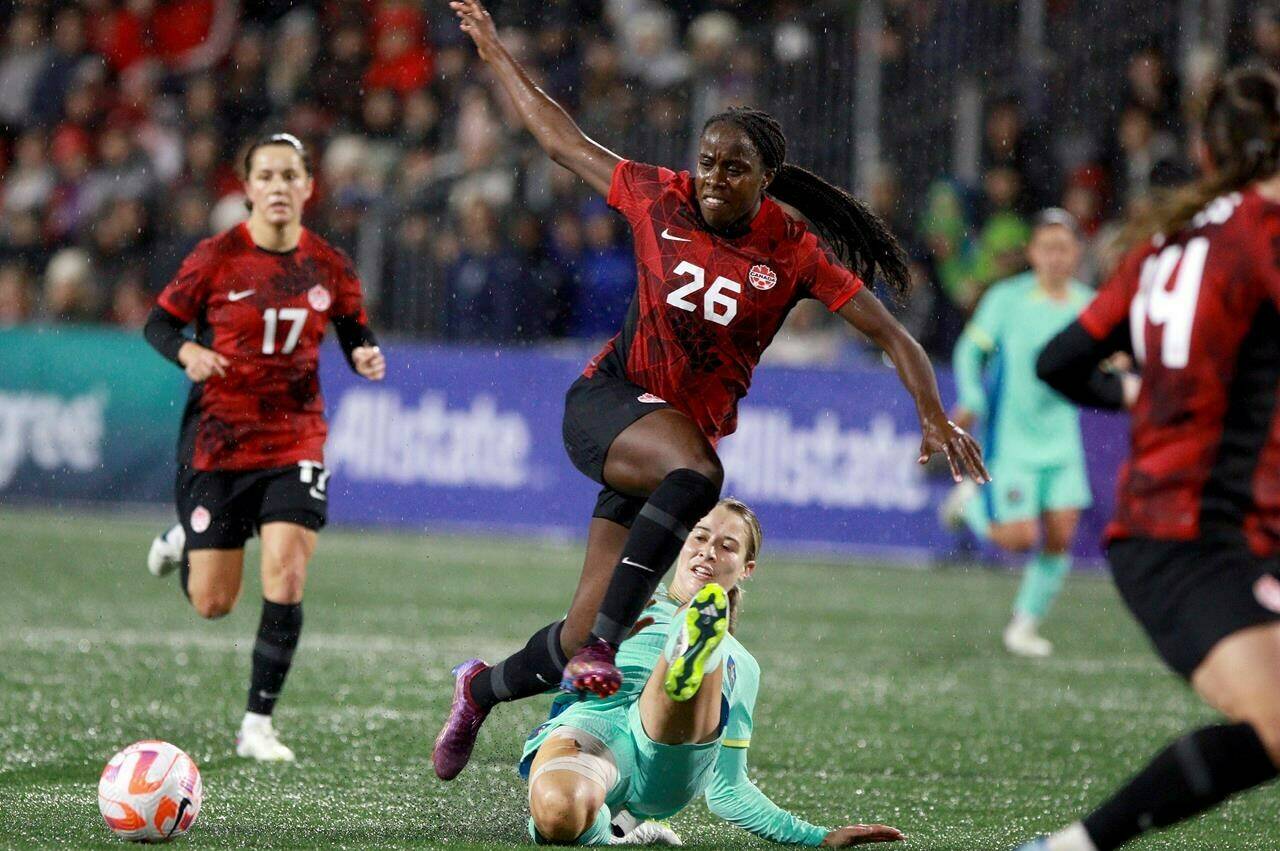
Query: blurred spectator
x,y
17,295
606,278
1264,35
947,237
21,65
338,79
184,227
70,294
401,59
122,172
29,182
1151,85
59,66
1008,143
1141,148
1002,240
483,280
130,301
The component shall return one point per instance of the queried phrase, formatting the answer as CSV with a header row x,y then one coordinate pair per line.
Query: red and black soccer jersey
x,y
706,306
1201,310
266,312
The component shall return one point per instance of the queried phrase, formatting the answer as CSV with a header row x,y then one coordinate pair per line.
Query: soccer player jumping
x,y
719,266
251,449
1195,540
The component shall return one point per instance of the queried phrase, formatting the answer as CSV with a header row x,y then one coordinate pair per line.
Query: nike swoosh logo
x,y
236,296
626,560
542,679
667,234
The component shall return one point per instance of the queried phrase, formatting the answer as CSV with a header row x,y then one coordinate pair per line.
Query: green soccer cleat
x,y
705,623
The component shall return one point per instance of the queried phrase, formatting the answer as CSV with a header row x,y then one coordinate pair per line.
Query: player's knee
x,y
709,466
212,603
1015,538
563,809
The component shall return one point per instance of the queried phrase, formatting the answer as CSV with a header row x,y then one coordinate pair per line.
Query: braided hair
x,y
1242,132
859,238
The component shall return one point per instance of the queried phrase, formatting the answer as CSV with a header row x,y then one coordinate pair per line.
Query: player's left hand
x,y
962,451
861,834
369,362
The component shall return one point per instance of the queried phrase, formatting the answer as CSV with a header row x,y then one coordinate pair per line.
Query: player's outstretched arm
x,y
1073,364
865,313
733,797
554,130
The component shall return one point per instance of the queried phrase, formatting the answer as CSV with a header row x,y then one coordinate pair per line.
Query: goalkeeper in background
x,y
1032,434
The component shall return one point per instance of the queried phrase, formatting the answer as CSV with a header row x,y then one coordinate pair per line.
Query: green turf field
x,y
884,696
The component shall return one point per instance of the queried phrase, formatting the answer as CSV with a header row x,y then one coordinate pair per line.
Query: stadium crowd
x,y
121,124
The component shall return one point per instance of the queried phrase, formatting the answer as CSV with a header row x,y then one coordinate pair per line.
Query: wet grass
x,y
884,696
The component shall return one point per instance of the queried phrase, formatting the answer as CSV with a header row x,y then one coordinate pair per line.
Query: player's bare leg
x,y
680,703
1241,679
665,457
568,781
213,583
286,550
536,667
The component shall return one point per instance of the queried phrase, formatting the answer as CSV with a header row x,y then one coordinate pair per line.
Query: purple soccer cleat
x,y
592,670
453,745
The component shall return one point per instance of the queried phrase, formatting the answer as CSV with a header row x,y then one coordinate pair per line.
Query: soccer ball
x,y
150,792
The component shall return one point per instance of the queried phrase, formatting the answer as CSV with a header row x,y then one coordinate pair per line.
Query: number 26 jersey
x,y
707,306
266,313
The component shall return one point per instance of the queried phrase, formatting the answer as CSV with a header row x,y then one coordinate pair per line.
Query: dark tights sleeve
x,y
164,332
352,334
1069,364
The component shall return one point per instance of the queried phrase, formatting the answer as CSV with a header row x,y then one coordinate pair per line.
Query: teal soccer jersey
x,y
1028,424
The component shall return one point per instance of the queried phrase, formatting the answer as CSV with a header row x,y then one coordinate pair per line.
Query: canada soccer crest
x,y
200,519
1267,592
319,298
762,277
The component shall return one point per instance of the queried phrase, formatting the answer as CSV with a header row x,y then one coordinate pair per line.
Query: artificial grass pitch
x,y
885,696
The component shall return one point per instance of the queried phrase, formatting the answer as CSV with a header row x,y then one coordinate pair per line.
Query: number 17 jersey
x,y
707,306
266,312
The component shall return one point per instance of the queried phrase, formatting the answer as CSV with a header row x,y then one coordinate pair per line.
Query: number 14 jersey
x,y
1199,311
265,312
707,306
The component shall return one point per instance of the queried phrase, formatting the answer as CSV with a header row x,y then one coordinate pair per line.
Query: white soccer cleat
x,y
951,509
165,555
628,830
257,740
1021,639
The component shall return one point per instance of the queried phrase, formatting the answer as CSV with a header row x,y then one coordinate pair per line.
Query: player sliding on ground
x,y
251,449
719,266
680,724
1194,544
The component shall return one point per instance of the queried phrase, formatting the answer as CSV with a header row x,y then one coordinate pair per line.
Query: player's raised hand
x,y
475,21
201,363
962,451
861,834
369,362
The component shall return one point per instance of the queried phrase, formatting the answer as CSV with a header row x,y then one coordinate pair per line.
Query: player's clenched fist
x,y
201,363
861,834
369,362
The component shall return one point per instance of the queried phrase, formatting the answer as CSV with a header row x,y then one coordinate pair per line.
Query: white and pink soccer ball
x,y
150,792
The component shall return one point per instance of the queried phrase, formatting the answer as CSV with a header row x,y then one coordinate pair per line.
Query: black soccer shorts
x,y
596,411
1189,595
221,509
